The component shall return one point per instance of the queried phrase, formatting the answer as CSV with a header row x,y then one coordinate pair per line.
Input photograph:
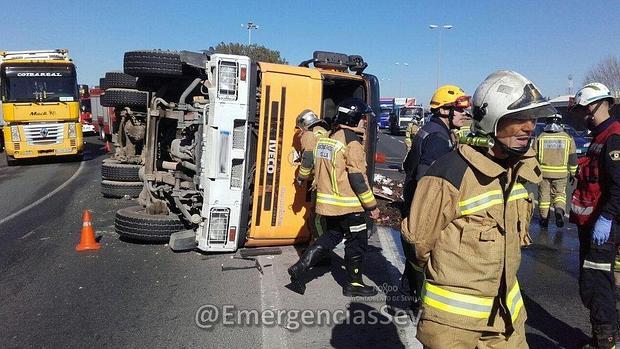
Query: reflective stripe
x,y
518,192
544,204
597,266
582,211
337,200
304,171
514,300
357,228
367,197
456,303
481,202
553,169
560,200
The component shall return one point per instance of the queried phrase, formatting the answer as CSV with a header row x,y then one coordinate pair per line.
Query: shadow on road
x,y
365,328
564,335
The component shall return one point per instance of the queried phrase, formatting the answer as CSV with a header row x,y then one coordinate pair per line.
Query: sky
x,y
544,40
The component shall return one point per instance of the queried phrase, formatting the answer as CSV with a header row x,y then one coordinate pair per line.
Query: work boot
x,y
544,222
559,217
603,337
355,285
308,259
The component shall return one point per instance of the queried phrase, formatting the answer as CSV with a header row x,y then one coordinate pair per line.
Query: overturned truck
x,y
221,149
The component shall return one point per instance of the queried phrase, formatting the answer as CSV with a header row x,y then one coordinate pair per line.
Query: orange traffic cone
x,y
87,241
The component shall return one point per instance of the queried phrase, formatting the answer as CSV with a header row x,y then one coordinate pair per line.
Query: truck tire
x,y
115,189
134,223
118,80
153,63
122,97
120,172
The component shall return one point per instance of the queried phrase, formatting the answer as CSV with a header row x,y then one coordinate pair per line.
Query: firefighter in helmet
x,y
344,198
595,208
449,106
312,129
469,218
556,152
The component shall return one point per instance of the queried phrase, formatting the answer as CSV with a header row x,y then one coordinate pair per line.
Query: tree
x,y
606,72
255,52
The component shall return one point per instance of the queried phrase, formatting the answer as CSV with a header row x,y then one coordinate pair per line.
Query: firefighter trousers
x,y
596,278
551,192
352,227
434,335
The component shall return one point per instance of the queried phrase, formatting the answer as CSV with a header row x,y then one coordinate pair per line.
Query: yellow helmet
x,y
450,95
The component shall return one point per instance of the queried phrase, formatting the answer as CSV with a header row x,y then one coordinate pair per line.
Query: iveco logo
x,y
44,132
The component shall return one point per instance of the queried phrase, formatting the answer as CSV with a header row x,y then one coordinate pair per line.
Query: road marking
x,y
273,336
61,187
390,251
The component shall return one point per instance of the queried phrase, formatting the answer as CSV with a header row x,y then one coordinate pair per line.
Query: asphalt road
x,y
129,294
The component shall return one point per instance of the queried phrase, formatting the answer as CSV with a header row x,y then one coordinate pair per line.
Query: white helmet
x,y
506,94
307,118
591,93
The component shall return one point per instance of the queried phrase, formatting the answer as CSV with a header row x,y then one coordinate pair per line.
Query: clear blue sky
x,y
544,40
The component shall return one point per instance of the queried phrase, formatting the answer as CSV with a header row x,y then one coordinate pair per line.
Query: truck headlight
x,y
227,80
72,132
15,134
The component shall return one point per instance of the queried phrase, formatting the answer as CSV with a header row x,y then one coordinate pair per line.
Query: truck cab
x,y
222,152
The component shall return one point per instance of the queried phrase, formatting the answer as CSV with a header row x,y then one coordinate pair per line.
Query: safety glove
x,y
602,229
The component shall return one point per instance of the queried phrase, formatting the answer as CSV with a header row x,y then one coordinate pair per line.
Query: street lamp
x,y
435,26
400,77
251,26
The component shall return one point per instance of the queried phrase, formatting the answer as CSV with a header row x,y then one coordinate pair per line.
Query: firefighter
x,y
344,198
410,132
596,211
556,152
469,218
312,128
449,108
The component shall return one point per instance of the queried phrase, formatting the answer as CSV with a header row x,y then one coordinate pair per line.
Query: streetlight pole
x,y
435,26
400,77
251,26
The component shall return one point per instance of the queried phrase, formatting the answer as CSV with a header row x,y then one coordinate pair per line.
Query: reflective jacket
x,y
308,143
598,178
410,132
340,175
556,152
469,218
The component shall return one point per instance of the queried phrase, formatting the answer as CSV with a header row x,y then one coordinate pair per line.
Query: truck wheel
x,y
120,172
122,97
134,223
115,189
118,80
153,63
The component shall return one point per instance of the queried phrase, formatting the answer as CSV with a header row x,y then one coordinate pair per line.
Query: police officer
x,y
312,128
449,110
596,210
344,198
556,152
470,217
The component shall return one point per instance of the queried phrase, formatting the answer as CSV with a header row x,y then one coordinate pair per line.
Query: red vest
x,y
585,203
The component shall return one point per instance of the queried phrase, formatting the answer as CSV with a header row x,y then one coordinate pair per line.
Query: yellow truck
x,y
222,151
40,105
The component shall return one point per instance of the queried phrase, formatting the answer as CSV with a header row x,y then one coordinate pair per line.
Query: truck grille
x,y
44,134
404,124
236,174
239,134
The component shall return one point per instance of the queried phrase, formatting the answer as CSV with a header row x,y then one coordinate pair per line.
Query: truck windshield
x,y
45,83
